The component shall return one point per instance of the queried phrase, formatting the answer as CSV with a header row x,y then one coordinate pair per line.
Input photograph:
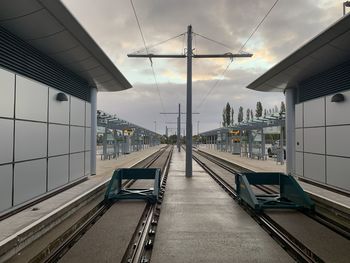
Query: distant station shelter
x,y
248,138
50,72
316,82
118,137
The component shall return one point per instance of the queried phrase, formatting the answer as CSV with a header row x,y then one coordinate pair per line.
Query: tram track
x,y
103,207
296,248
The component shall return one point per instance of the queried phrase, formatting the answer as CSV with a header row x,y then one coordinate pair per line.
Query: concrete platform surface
x,y
338,201
17,228
199,222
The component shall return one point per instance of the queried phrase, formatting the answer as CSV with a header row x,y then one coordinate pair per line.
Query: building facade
x,y
316,82
50,72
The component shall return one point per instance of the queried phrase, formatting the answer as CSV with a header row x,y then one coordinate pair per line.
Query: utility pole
x,y
178,138
189,56
189,104
178,122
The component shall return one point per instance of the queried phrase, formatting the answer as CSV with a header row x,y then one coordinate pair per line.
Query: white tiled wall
x,y
324,127
43,142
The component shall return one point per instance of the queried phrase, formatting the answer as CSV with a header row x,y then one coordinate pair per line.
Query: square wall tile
x,y
335,111
77,111
315,167
30,180
58,110
338,142
58,139
58,171
7,98
31,99
30,140
338,172
6,141
77,139
314,112
5,187
315,140
76,166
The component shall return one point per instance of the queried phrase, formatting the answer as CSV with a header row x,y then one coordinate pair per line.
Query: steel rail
x,y
101,208
327,222
290,244
144,242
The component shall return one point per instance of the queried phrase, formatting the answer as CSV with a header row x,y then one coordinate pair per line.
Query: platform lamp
x,y
345,4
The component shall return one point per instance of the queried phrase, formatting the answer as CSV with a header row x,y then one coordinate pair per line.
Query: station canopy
x,y
50,28
273,120
331,45
112,122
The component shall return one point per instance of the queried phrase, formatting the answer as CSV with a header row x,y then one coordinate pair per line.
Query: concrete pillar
x,y
93,130
290,129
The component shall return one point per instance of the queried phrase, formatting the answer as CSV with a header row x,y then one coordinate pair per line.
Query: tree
x,y
265,112
283,107
226,115
276,108
251,115
247,118
232,114
258,110
240,114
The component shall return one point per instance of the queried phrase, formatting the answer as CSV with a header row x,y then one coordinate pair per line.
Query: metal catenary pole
x,y
189,56
189,104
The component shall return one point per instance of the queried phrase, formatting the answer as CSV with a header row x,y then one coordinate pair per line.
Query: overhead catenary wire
x,y
213,40
240,50
146,48
257,27
158,43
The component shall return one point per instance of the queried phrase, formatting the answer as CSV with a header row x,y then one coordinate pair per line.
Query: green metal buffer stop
x,y
290,195
115,190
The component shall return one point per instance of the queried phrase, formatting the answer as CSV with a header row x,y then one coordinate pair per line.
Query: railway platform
x,y
332,204
22,228
200,222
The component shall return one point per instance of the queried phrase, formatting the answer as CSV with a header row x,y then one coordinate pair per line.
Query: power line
x,y
257,27
138,24
215,85
240,50
159,43
144,43
215,41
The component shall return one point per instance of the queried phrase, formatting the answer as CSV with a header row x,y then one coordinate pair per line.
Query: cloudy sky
x,y
113,25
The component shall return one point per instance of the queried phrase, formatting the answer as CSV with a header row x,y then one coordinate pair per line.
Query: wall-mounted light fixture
x,y
61,97
338,98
